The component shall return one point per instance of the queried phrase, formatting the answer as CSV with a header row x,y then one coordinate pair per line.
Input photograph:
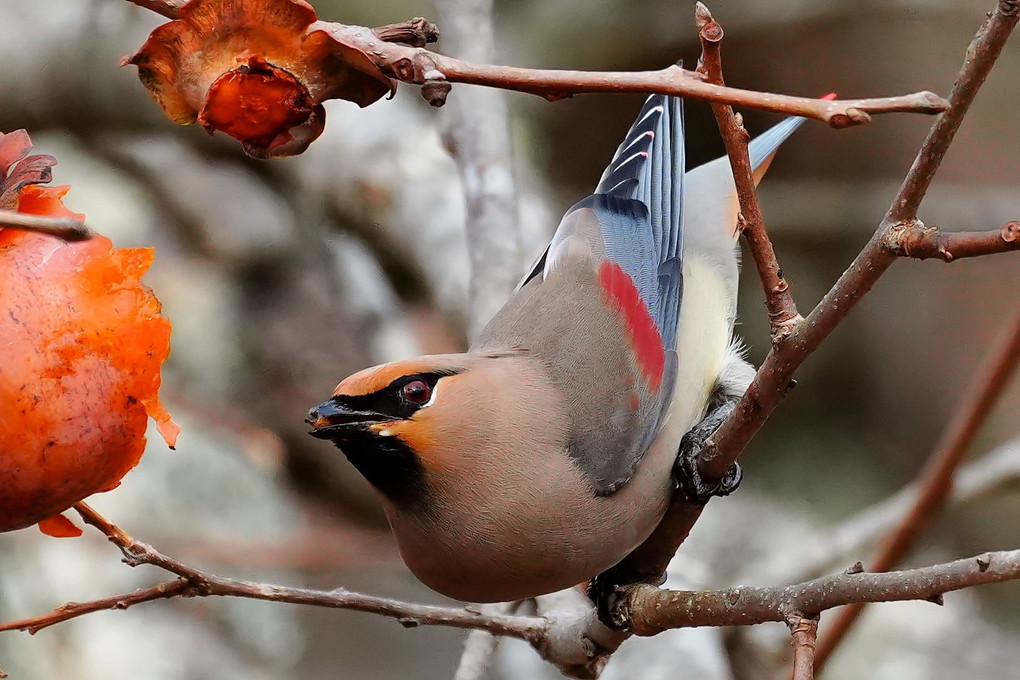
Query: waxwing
x,y
548,451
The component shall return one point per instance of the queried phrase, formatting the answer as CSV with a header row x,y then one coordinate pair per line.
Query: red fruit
x,y
81,345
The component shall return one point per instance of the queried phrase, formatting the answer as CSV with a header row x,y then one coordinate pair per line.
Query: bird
x,y
550,449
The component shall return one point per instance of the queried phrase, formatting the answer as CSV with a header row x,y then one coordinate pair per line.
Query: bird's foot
x,y
685,471
606,589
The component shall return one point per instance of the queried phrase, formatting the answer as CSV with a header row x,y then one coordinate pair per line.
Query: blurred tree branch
x,y
476,130
996,471
936,478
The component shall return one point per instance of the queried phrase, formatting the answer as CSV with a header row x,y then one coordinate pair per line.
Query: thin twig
x,y
418,66
202,584
64,228
653,610
920,242
73,610
782,310
803,633
936,478
673,80
981,55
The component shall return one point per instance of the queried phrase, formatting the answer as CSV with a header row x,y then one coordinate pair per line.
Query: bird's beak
x,y
331,416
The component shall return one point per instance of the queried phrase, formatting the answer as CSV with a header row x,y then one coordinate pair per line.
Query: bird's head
x,y
379,418
407,424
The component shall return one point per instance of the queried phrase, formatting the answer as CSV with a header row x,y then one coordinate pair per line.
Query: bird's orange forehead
x,y
376,378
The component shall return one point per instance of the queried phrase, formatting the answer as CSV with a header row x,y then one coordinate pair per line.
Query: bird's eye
x,y
416,392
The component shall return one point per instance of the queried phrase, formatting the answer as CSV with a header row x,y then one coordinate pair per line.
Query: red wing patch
x,y
645,340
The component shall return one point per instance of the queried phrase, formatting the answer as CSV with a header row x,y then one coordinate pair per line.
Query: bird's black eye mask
x,y
398,400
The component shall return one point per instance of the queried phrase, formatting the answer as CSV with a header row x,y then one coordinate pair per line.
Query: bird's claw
x,y
605,589
688,478
694,487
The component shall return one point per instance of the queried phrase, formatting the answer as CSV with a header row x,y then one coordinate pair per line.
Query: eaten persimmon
x,y
82,341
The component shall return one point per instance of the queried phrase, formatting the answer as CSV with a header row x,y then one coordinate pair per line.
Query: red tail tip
x,y
830,96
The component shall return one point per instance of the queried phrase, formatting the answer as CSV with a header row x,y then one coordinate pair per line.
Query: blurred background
x,y
283,277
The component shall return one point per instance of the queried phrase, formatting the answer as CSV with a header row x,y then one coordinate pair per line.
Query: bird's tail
x,y
711,206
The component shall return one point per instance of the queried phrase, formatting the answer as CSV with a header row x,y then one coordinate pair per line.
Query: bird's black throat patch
x,y
387,463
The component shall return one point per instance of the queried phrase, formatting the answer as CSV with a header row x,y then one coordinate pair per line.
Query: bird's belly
x,y
551,534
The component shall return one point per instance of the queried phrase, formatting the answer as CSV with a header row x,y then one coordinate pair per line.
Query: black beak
x,y
331,416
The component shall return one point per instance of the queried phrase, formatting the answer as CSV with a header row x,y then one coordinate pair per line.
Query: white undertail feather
x,y
712,265
703,345
737,372
711,205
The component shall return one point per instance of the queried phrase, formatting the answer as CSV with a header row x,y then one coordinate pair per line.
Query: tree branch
x,y
994,472
60,227
653,610
419,66
479,648
782,310
561,639
196,583
915,240
936,478
803,632
72,610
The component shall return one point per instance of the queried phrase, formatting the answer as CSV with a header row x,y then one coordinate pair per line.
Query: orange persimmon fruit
x,y
257,70
82,341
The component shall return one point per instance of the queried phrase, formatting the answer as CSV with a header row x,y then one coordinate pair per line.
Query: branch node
x,y
416,32
936,599
855,568
784,324
702,15
435,90
857,116
1010,231
708,29
984,562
